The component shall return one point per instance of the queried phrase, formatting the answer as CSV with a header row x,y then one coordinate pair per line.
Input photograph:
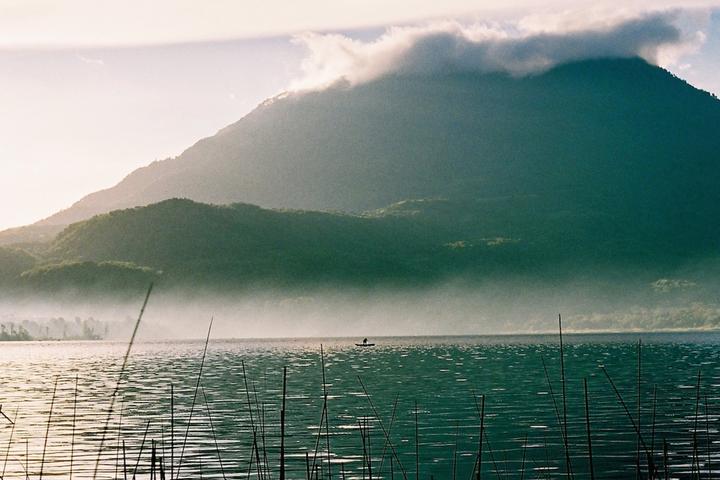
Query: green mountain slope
x,y
242,244
13,262
619,137
181,243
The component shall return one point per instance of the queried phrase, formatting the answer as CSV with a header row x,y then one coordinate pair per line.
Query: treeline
x,y
53,329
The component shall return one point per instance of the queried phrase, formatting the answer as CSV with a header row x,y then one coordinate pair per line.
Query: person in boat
x,y
364,341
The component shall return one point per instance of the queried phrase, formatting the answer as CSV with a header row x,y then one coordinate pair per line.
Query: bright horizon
x,y
86,101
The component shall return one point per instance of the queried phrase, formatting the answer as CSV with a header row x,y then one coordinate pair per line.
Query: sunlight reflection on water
x,y
441,373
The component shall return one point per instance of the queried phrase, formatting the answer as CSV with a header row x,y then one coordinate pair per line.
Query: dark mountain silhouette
x,y
620,137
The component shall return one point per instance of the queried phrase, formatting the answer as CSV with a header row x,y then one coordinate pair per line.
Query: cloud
x,y
531,45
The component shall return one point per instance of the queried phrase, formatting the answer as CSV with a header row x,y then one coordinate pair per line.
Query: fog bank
x,y
449,309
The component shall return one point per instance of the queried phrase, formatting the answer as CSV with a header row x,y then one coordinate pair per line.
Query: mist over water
x,y
454,308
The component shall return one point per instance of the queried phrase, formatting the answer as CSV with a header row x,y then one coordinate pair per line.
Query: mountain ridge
x,y
181,243
360,148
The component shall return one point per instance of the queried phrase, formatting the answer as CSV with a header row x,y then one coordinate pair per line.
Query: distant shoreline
x,y
350,340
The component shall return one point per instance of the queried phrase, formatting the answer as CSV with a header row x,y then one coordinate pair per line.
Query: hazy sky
x,y
90,89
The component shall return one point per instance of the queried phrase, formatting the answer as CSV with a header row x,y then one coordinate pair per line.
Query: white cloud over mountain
x,y
528,46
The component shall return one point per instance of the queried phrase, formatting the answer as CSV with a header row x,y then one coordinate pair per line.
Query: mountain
x,y
189,243
597,167
184,244
620,138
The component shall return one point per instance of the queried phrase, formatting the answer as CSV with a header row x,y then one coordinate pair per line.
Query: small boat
x,y
365,344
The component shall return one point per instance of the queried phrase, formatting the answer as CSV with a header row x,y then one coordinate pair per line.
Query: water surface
x,y
444,376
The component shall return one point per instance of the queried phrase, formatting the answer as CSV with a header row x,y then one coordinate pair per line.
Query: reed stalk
x,y
266,463
547,457
455,450
323,416
282,426
417,444
172,430
327,413
194,400
524,453
652,428
390,427
382,427
639,390
477,469
119,436
587,427
152,460
72,435
162,443
124,460
47,430
257,456
113,396
651,467
492,458
369,449
10,439
323,413
307,466
568,464
558,417
247,395
707,439
212,430
250,411
364,447
252,451
696,454
142,445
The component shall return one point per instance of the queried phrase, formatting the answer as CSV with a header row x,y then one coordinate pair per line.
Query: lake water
x,y
444,375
